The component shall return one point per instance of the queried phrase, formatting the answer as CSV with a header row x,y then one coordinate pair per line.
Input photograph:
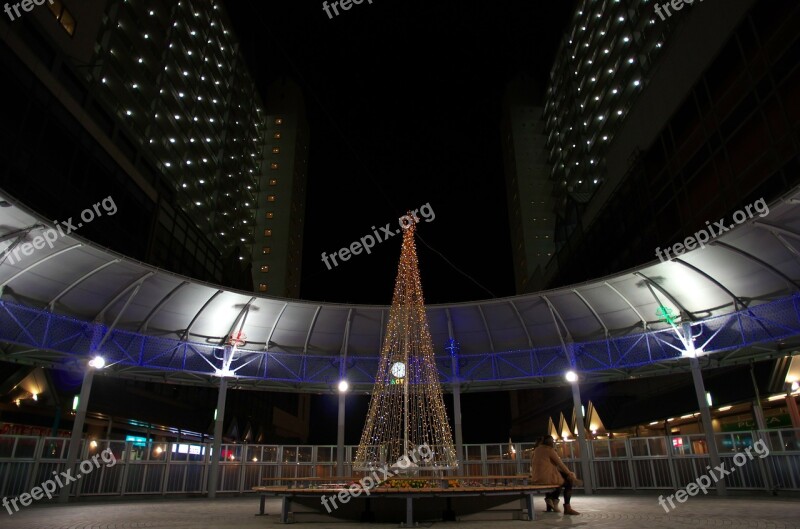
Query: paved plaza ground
x,y
616,511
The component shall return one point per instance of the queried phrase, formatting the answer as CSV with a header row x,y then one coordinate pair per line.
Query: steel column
x,y
77,431
213,475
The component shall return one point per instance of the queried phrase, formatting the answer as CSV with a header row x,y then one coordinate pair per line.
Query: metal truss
x,y
40,337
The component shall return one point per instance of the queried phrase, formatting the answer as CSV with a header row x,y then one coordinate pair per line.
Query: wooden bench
x,y
512,486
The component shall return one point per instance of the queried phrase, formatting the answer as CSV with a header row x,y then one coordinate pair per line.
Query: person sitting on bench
x,y
547,469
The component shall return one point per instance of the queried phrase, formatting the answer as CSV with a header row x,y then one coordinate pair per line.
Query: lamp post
x,y
702,401
229,353
343,387
96,363
572,378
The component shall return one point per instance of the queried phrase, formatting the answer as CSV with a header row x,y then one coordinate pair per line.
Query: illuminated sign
x,y
181,448
137,441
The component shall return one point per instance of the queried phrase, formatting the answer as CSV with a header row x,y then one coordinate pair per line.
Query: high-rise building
x,y
656,124
655,127
527,172
278,251
173,73
161,89
150,105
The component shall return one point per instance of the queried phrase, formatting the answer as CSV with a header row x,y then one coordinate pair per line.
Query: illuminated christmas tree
x,y
407,409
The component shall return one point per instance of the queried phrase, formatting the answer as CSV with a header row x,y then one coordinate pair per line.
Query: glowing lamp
x,y
98,362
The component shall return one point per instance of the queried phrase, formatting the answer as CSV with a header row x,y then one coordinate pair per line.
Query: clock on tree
x,y
398,370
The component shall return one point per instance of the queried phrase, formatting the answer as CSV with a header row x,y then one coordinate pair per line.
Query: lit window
x,y
273,165
270,198
273,181
276,150
269,214
277,135
262,287
267,233
266,250
279,121
63,15
265,268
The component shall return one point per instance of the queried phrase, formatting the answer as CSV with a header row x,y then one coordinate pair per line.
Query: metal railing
x,y
164,468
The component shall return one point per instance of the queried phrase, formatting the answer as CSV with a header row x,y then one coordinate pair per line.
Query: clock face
x,y
399,369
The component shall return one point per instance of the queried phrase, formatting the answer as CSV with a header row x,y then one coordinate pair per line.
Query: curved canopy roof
x,y
754,263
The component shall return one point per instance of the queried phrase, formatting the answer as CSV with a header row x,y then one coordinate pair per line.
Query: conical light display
x,y
407,409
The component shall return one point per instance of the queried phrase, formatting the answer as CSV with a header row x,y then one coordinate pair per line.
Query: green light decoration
x,y
406,408
665,314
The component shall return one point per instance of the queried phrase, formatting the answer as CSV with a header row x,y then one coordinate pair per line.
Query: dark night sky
x,y
404,105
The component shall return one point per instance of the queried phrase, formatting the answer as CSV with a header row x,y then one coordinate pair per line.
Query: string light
x,y
406,409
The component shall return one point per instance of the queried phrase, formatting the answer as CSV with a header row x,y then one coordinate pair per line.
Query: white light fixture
x,y
571,376
98,362
724,408
343,386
